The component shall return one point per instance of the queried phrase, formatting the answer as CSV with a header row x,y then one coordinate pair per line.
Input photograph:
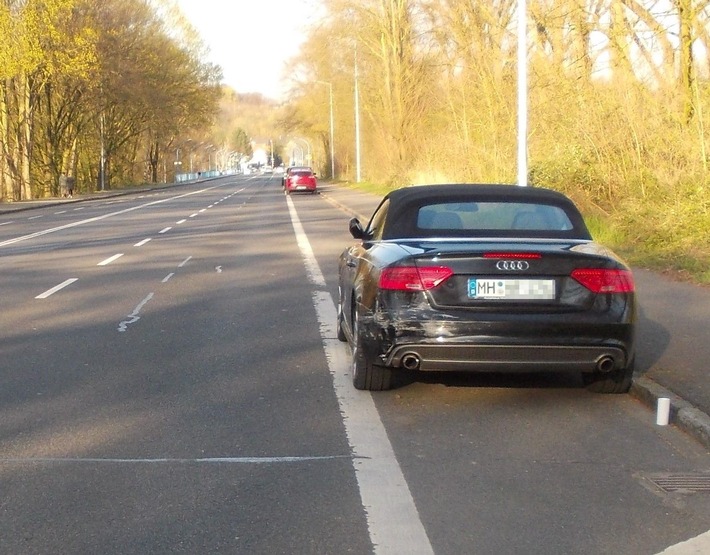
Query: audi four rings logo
x,y
512,265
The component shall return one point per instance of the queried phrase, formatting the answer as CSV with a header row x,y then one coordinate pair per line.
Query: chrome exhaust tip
x,y
606,364
411,361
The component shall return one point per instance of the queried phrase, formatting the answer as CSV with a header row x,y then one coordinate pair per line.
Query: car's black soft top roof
x,y
520,194
404,204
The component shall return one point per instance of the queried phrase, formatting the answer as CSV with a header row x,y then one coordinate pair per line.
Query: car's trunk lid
x,y
532,275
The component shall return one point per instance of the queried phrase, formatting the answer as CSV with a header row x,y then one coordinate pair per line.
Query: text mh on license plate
x,y
513,289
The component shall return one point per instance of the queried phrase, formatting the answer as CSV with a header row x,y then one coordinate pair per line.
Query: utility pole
x,y
522,95
332,134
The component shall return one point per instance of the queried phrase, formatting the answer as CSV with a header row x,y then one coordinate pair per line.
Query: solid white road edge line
x,y
392,517
212,460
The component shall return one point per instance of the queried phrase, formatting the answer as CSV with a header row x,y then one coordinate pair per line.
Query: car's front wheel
x,y
366,374
339,324
616,381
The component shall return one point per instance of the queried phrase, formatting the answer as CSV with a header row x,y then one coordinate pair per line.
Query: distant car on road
x,y
289,169
300,178
487,278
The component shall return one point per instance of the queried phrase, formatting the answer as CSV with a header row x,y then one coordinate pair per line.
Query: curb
x,y
683,414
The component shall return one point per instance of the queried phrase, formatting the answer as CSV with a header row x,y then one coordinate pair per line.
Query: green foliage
x,y
670,228
241,143
79,75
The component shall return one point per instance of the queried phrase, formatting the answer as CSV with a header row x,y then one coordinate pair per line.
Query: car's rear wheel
x,y
366,374
616,381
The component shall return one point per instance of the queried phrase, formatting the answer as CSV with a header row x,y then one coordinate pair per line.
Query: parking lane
x,y
526,463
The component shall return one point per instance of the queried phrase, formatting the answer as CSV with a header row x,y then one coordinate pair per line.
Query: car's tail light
x,y
411,278
601,280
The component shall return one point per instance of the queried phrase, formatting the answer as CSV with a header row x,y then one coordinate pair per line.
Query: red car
x,y
300,179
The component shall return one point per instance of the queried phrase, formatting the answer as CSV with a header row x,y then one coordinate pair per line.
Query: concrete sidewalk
x,y
673,350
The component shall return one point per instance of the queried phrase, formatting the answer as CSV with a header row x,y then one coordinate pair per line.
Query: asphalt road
x,y
171,383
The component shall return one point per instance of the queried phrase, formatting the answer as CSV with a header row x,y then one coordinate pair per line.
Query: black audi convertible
x,y
485,278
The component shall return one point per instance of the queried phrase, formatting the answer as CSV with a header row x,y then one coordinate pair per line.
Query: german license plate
x,y
511,289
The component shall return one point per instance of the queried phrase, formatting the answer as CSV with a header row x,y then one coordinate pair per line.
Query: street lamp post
x,y
209,148
332,140
102,161
522,95
178,163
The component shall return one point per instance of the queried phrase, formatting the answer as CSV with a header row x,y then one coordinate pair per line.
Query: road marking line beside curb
x,y
392,517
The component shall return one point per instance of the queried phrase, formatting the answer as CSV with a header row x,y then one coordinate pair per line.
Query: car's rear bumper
x,y
506,358
567,342
301,187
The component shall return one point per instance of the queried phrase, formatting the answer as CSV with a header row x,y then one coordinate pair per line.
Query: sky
x,y
252,40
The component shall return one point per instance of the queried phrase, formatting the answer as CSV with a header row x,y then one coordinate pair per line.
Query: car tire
x,y
339,324
616,381
367,375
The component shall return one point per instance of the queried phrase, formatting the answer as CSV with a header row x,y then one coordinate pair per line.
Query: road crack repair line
x,y
134,316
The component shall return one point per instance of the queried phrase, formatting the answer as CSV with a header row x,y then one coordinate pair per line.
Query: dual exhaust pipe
x,y
412,361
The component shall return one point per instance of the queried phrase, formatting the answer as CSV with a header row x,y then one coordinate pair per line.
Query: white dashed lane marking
x,y
56,288
110,259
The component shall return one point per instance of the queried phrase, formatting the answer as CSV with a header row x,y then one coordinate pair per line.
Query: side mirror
x,y
356,229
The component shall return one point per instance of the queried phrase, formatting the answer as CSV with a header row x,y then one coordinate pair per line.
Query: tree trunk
x,y
5,177
25,137
685,20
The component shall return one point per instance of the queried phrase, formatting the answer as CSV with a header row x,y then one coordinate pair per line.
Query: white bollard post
x,y
664,411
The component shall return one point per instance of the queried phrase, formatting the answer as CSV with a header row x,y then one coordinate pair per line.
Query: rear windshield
x,y
302,173
483,216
